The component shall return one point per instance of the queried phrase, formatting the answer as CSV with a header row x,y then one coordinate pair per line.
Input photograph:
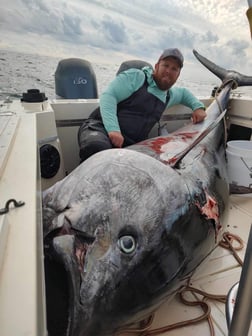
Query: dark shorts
x,y
92,138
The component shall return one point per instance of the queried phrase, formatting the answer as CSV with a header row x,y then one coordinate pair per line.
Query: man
x,y
133,102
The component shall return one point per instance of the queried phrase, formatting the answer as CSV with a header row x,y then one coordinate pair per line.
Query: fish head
x,y
107,225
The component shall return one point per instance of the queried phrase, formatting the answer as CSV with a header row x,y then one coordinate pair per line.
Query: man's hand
x,y
116,138
198,115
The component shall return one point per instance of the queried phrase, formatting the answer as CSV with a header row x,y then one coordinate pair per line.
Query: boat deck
x,y
22,299
219,272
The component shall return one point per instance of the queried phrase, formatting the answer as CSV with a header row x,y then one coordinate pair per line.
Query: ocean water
x,y
20,72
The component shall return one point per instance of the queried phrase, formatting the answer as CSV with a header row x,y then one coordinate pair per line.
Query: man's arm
x,y
122,87
185,97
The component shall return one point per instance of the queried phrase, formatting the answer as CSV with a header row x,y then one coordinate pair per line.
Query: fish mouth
x,y
65,251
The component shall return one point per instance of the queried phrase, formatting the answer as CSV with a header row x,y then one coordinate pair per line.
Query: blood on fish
x,y
157,143
211,211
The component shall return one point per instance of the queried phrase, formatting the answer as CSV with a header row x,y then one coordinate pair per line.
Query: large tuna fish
x,y
125,229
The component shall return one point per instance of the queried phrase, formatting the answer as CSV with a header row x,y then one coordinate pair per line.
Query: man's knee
x,y
92,138
91,147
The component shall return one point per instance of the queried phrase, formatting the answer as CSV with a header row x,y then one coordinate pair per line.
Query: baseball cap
x,y
173,52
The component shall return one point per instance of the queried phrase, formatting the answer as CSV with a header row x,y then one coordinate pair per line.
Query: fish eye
x,y
127,244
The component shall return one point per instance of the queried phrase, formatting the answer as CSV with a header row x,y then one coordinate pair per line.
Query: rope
x,y
206,315
144,325
227,242
216,93
202,303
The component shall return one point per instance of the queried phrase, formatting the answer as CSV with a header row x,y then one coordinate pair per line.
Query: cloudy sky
x,y
115,30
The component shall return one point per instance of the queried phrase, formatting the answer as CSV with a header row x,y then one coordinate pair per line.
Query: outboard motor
x,y
75,78
138,64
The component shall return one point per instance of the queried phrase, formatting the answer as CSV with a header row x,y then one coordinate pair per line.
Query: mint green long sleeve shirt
x,y
129,81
